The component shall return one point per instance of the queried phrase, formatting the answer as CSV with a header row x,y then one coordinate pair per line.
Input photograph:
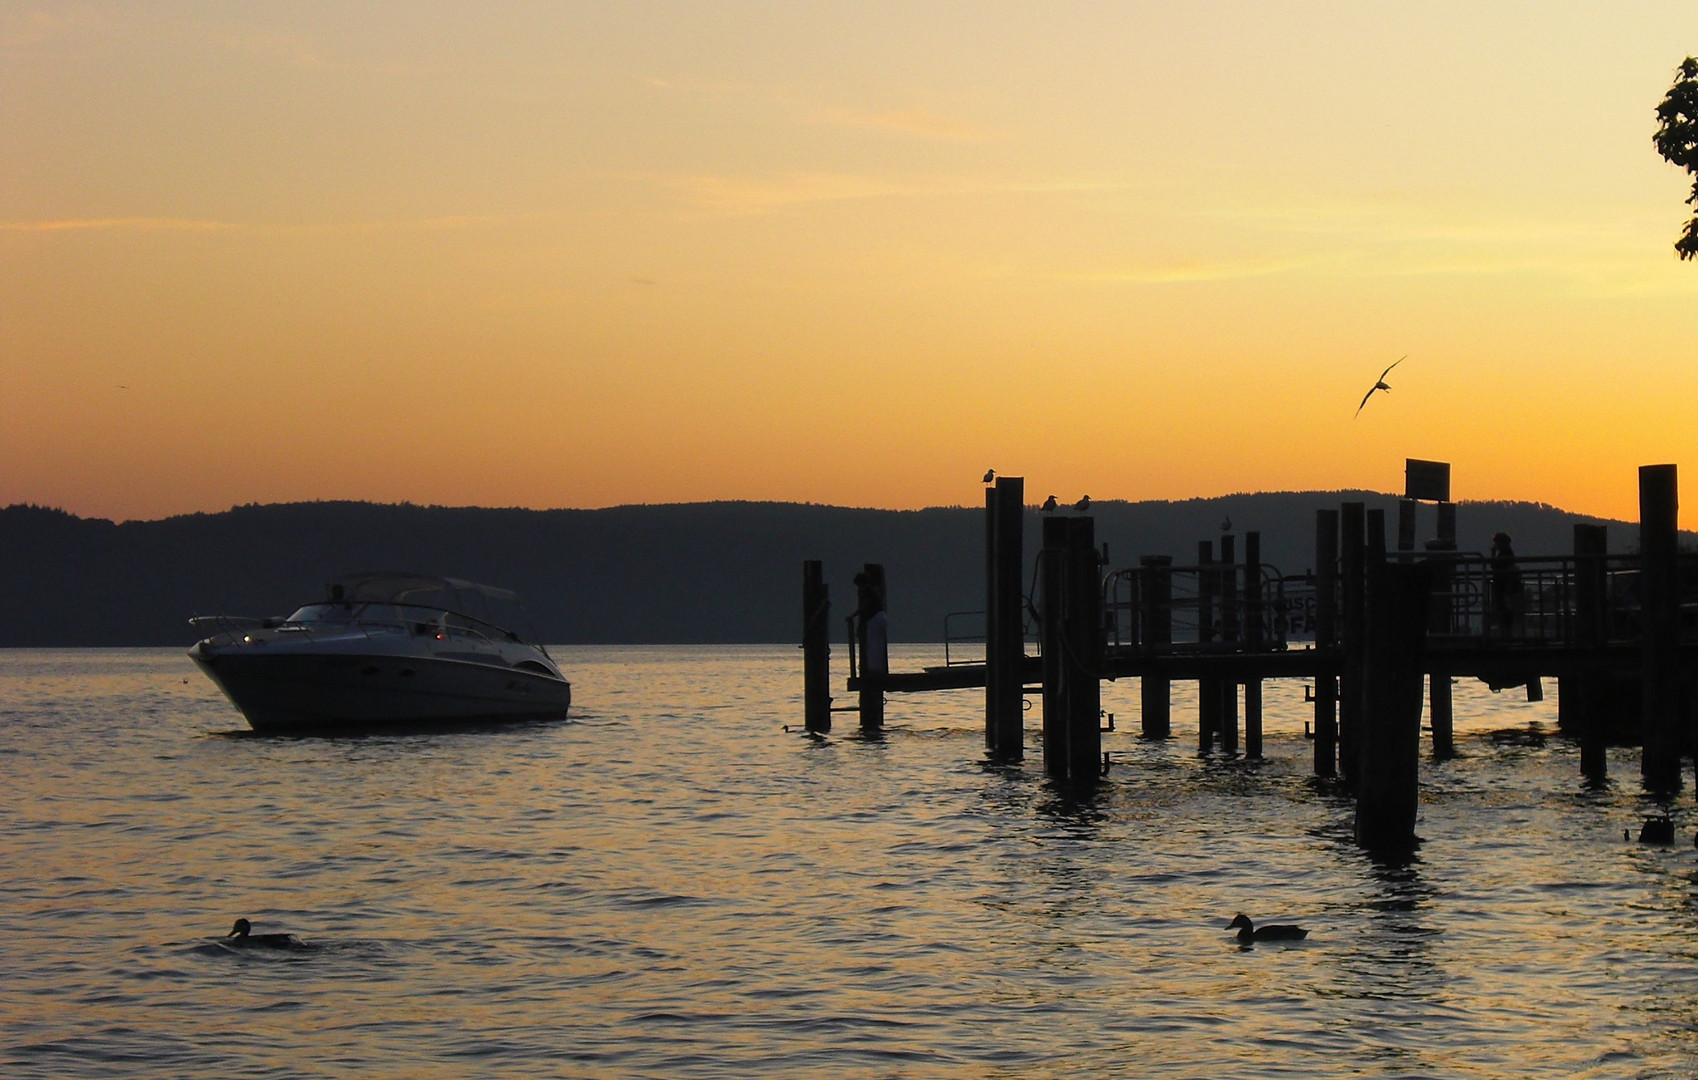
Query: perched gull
x,y
1050,504
1380,383
990,474
1083,504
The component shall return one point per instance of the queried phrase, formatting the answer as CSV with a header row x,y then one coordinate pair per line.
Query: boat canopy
x,y
485,603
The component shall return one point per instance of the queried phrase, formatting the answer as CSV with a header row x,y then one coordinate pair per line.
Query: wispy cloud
x,y
771,193
1193,270
915,121
191,225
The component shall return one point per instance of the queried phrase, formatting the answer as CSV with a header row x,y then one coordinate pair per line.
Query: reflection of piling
x,y
816,648
1252,642
1156,596
1005,639
1388,794
1660,605
1352,524
1326,637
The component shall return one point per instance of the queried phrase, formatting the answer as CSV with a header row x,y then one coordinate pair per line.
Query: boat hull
x,y
305,692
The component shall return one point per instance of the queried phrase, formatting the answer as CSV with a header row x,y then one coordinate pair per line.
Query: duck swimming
x,y
242,934
1249,931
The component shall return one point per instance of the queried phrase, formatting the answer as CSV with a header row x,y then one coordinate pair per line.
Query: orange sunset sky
x,y
581,254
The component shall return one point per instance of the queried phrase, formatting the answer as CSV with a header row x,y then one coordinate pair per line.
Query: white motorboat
x,y
384,649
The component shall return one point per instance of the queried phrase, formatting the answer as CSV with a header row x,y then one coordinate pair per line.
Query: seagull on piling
x,y
990,474
1050,504
1083,504
1380,383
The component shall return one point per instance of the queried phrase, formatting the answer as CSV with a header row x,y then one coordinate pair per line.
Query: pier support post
x,y
1252,642
1082,667
1229,637
1353,525
1157,626
1440,712
1660,598
1406,527
1208,690
1052,579
1580,694
874,634
1388,793
816,648
1005,639
1326,639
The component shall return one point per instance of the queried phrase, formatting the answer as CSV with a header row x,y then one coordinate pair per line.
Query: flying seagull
x,y
1380,383
990,474
1049,504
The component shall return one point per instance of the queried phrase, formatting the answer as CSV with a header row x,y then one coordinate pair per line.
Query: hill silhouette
x,y
681,573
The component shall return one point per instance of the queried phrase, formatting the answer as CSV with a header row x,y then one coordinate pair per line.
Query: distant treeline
x,y
697,573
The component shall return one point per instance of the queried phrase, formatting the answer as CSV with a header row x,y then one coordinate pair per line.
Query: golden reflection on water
x,y
671,884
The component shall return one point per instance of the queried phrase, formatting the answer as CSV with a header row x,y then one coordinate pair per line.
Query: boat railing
x,y
406,618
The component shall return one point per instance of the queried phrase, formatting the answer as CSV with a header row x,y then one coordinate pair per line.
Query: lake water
x,y
672,885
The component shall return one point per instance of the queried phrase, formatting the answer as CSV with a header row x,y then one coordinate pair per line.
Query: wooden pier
x,y
1374,631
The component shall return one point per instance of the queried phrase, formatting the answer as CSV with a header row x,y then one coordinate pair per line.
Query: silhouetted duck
x,y
1249,931
242,934
1657,830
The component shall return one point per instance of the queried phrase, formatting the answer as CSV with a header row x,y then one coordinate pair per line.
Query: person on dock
x,y
1508,596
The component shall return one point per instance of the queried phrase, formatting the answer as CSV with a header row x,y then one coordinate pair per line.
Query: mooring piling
x,y
1660,603
1353,526
1440,714
874,639
1082,669
1208,690
1581,694
1388,791
1228,578
1005,609
1252,642
1052,584
1156,615
1326,638
816,648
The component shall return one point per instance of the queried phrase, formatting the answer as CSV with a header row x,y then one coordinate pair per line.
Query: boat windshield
x,y
323,613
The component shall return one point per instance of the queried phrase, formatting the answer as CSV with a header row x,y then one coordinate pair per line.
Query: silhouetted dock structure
x,y
1376,630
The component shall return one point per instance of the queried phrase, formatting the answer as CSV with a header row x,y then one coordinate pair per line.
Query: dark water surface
x,y
669,885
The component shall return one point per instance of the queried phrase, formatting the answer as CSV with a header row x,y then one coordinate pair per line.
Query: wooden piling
x,y
1252,637
1353,526
1228,593
1581,694
1406,525
1208,690
1388,793
816,648
1440,711
1083,662
1052,578
1326,638
1005,640
1660,604
874,636
1156,617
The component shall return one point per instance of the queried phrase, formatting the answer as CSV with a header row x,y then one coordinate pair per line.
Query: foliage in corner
x,y
1677,141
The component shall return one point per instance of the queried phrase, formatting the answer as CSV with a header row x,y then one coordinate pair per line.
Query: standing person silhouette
x,y
1508,597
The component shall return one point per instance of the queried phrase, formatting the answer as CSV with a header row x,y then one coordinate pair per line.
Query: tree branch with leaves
x,y
1677,141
